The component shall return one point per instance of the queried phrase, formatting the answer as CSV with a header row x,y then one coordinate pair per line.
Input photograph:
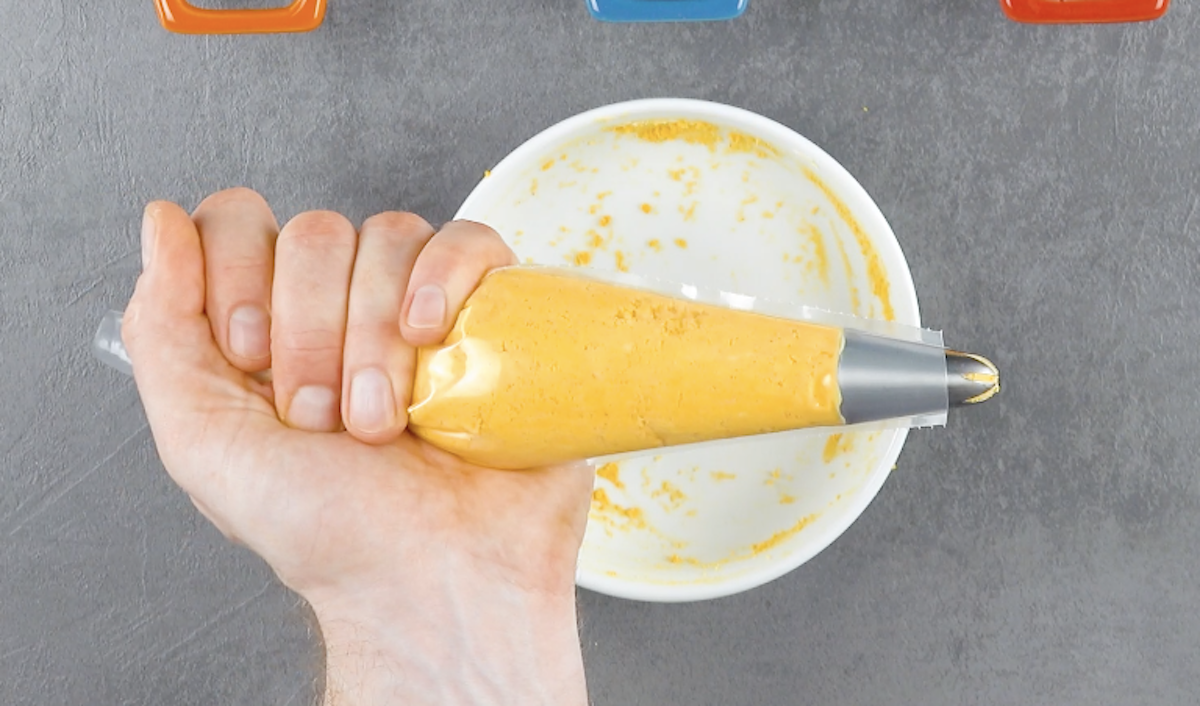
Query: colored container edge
x,y
1084,11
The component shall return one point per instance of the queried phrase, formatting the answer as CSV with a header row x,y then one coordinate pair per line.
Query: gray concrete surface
x,y
1042,182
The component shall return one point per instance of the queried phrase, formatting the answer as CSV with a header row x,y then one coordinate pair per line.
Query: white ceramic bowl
x,y
711,195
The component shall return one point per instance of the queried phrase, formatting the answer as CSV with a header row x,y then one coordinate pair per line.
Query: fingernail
x,y
372,407
250,332
149,235
428,308
314,408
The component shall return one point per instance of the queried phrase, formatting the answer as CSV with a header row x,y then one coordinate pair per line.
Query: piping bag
x,y
546,365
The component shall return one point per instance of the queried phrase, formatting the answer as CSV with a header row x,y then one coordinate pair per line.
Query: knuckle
x,y
372,327
401,224
244,265
310,342
453,252
237,194
475,228
454,260
327,222
476,242
318,230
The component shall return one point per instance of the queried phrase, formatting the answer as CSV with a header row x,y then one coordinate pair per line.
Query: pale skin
x,y
434,581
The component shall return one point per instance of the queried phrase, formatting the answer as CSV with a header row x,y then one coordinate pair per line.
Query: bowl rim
x,y
839,180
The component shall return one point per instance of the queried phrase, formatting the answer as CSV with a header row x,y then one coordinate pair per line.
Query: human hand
x,y
434,580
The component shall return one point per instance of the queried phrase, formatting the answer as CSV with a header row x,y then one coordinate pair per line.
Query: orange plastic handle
x,y
184,18
1084,11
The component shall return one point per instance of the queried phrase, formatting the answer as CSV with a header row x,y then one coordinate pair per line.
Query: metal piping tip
x,y
970,378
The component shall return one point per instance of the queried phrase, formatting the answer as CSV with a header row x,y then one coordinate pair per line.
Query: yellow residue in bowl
x,y
616,516
820,258
876,274
773,542
674,496
855,299
698,132
611,472
836,445
741,212
712,136
695,132
741,142
698,563
782,536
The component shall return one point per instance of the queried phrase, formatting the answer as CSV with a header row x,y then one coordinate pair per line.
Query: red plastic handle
x,y
183,17
1081,11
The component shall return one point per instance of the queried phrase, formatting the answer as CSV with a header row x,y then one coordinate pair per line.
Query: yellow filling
x,y
544,366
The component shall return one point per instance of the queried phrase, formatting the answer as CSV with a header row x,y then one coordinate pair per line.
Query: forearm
x,y
461,646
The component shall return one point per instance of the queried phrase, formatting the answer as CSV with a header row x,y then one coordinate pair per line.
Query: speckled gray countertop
x,y
1042,182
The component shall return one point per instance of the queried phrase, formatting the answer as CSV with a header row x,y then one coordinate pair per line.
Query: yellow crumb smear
x,y
611,472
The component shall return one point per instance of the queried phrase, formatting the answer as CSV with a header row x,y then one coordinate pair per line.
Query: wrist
x,y
463,642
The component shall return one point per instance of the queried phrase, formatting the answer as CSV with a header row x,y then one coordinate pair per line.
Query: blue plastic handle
x,y
665,10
